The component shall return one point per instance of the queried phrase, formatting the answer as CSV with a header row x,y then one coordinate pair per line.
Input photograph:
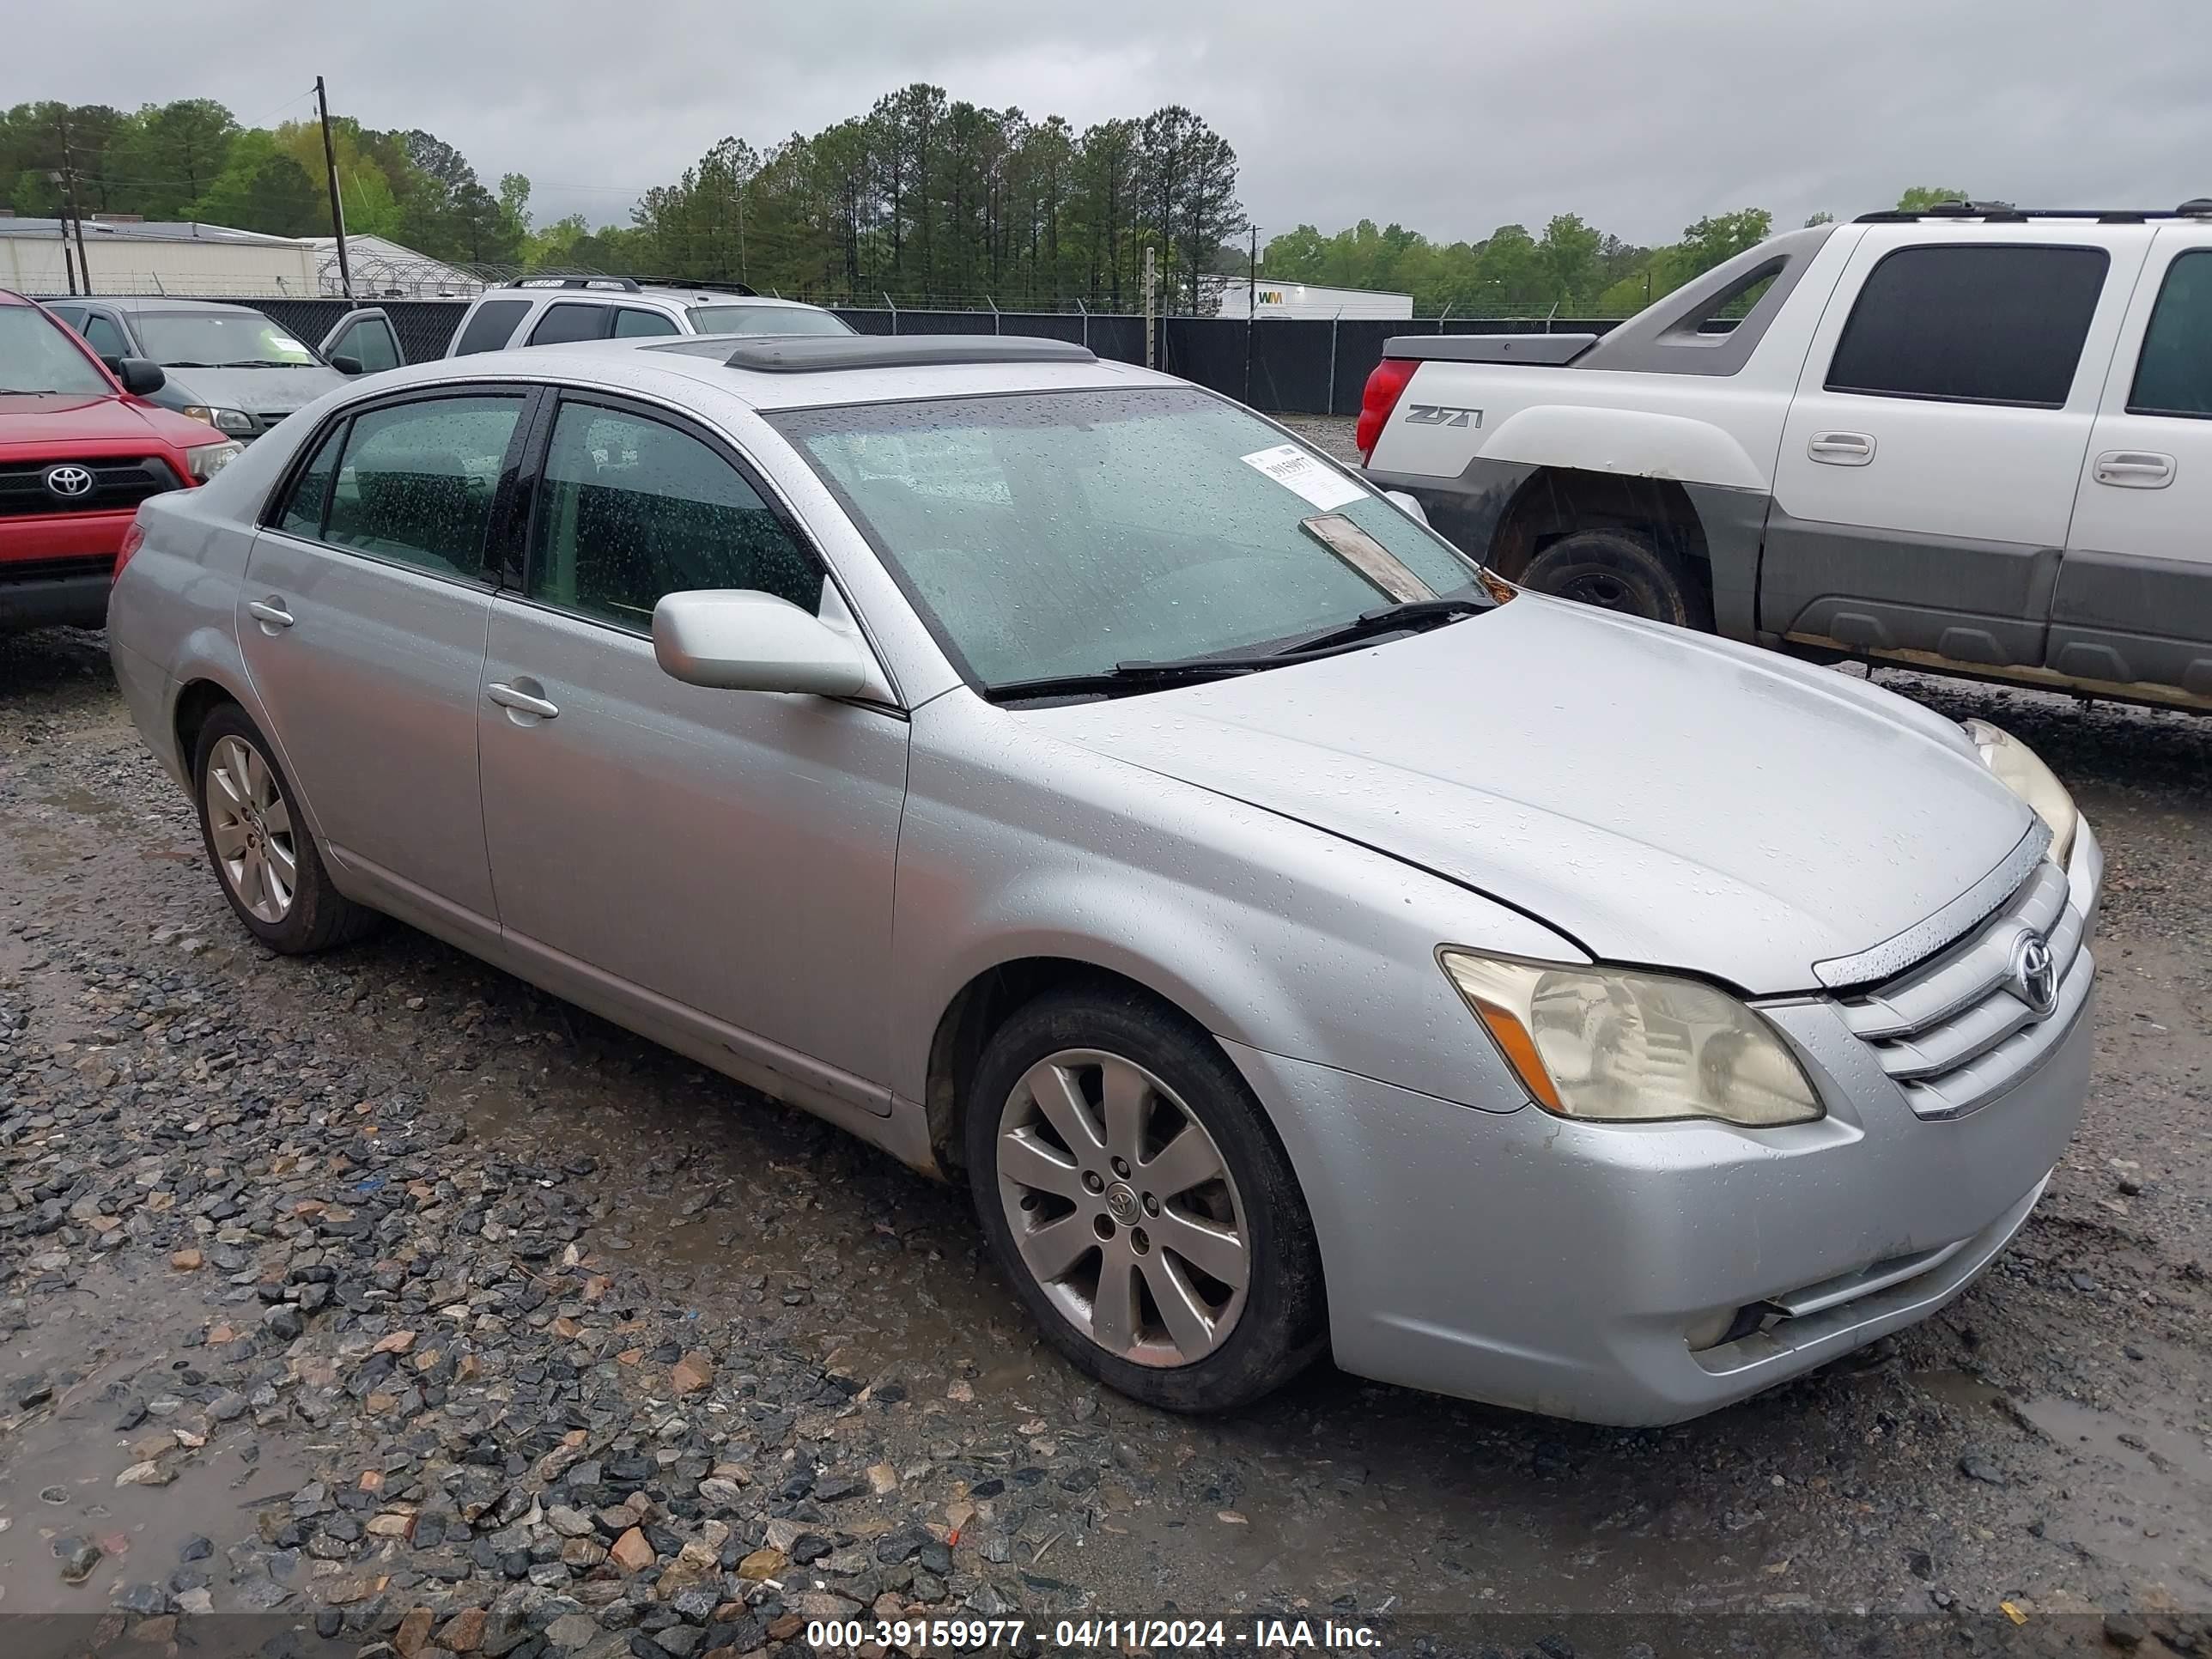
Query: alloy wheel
x,y
1122,1208
251,828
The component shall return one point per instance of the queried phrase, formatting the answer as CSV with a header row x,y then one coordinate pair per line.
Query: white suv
x,y
561,310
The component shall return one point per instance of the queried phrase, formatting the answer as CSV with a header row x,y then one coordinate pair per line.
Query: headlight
x,y
1624,1048
2021,770
205,461
222,420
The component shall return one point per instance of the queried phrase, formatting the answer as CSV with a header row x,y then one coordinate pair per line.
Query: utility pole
x,y
1152,277
68,177
68,264
1251,308
338,209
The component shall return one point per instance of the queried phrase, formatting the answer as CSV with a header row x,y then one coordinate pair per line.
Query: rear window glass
x,y
1971,322
494,320
2173,376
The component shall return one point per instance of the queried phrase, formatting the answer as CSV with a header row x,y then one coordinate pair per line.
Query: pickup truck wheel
x,y
1621,570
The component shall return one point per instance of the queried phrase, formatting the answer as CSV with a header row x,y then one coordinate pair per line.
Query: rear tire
x,y
257,840
1116,1119
1621,570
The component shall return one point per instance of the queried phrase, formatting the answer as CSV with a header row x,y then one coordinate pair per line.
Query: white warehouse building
x,y
144,257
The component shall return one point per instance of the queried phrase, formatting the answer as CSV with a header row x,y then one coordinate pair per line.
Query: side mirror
x,y
1407,505
346,365
142,377
740,639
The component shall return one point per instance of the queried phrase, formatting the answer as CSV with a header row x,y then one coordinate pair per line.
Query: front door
x,y
366,340
361,618
2134,595
730,852
1928,463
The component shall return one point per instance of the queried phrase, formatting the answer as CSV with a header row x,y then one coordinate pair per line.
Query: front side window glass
x,y
418,481
368,342
631,508
630,323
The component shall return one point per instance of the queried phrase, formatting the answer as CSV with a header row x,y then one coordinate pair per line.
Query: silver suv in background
x,y
1066,780
541,311
234,367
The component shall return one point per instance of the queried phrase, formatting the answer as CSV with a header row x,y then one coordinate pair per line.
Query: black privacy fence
x,y
1286,366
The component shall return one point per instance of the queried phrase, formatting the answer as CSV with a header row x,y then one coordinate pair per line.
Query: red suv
x,y
80,447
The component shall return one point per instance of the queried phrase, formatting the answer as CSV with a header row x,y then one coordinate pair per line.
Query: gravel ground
x,y
380,1299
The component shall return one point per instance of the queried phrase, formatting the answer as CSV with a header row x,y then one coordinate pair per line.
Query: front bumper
x,y
55,568
1567,1268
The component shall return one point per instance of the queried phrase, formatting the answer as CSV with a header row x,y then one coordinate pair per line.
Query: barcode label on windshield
x,y
1302,474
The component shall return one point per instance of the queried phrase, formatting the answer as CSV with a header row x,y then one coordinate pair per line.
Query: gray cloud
x,y
1449,118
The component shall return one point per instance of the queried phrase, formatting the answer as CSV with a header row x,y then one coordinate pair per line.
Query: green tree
x,y
1920,197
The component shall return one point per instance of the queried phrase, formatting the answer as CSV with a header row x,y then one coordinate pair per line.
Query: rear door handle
x,y
1841,448
508,697
269,613
2135,469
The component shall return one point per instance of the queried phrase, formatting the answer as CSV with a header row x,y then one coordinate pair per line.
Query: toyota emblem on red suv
x,y
69,482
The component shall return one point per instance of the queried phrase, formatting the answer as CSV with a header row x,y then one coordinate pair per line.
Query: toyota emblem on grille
x,y
69,482
2033,974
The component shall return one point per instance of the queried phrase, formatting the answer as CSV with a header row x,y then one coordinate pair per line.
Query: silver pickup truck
x,y
1977,440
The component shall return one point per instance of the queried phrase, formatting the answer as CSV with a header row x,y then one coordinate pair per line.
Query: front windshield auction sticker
x,y
1297,471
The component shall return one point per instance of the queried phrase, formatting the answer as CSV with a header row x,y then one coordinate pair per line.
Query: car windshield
x,y
36,356
767,320
220,339
1053,534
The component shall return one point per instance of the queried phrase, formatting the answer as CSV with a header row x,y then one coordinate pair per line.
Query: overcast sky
x,y
1450,117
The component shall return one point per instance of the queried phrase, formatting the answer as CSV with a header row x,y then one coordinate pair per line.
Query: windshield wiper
x,y
1412,615
1126,676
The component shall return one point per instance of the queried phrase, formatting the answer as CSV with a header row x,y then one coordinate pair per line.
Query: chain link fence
x,y
1289,366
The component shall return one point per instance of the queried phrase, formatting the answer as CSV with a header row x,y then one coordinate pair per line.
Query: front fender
x,y
1270,933
1626,442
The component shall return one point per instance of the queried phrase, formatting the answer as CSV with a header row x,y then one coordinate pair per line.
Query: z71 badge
x,y
1440,415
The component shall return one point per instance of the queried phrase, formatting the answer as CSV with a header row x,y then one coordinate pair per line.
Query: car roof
x,y
682,377
672,292
141,305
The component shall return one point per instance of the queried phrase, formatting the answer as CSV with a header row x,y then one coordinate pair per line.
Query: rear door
x,y
2134,593
361,617
367,337
1928,464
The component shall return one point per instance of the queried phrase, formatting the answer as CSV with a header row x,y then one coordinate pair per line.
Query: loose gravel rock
x,y
312,1312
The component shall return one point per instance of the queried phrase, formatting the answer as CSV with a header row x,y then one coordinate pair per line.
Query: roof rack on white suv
x,y
563,308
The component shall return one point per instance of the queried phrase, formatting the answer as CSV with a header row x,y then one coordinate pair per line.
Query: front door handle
x,y
2135,469
521,702
269,613
1841,448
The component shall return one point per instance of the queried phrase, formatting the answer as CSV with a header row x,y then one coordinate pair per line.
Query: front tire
x,y
258,842
1621,570
1132,1191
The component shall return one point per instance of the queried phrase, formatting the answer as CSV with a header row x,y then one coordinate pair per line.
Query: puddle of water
x,y
57,1466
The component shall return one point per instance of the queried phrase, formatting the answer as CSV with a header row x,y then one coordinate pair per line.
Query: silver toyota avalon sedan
x,y
1064,779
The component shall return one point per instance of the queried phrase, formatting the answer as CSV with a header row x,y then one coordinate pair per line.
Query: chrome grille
x,y
1952,1030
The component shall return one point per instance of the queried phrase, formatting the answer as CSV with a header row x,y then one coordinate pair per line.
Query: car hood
x,y
260,391
1659,797
51,417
